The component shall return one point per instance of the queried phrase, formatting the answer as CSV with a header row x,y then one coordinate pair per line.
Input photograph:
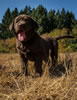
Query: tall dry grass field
x,y
59,83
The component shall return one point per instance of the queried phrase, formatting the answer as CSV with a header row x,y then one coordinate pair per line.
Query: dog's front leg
x,y
38,66
24,62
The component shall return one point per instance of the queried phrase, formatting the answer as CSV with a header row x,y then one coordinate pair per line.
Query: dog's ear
x,y
11,26
34,25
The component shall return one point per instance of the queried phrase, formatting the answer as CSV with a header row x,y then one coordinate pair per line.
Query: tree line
x,y
48,21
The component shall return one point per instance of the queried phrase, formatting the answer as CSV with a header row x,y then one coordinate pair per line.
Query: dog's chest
x,y
32,52
29,51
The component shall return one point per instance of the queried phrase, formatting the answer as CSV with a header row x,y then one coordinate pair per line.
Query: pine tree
x,y
14,14
57,19
51,18
27,10
4,26
6,17
62,19
40,15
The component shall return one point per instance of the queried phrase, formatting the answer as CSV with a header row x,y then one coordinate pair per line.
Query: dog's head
x,y
23,25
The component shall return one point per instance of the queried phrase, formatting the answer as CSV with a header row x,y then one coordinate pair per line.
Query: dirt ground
x,y
55,84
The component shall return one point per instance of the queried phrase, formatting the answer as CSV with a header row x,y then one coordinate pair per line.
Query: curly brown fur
x,y
31,46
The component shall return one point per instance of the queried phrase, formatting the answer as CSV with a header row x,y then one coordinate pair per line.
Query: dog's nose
x,y
21,24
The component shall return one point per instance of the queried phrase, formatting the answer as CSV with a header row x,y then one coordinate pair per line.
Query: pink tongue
x,y
21,36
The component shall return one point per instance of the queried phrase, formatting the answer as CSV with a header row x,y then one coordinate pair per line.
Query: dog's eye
x,y
16,21
27,21
22,19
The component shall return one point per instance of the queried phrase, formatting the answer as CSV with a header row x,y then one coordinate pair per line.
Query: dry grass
x,y
61,84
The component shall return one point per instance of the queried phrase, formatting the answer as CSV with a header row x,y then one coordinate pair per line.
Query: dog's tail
x,y
64,36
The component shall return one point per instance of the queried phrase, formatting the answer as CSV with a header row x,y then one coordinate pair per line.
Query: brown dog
x,y
31,46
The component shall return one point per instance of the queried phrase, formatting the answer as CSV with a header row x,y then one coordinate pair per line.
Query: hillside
x,y
59,84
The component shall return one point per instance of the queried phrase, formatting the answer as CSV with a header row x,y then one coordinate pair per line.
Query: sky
x,y
70,5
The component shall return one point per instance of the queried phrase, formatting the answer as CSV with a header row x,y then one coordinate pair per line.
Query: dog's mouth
x,y
22,35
